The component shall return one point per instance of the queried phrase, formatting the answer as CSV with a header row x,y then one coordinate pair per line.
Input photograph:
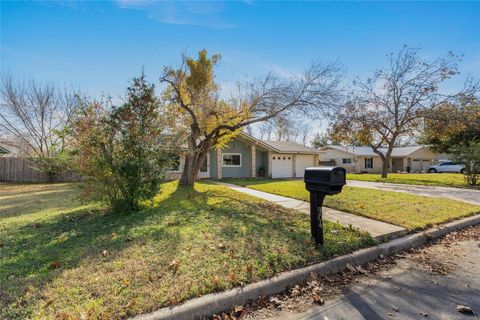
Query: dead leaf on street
x,y
464,309
317,299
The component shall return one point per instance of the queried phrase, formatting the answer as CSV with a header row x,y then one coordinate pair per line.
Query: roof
x,y
289,147
367,151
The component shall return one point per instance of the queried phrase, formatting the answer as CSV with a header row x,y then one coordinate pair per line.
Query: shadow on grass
x,y
181,222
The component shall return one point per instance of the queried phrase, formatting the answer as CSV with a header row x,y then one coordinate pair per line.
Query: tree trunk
x,y
188,175
193,163
385,160
384,168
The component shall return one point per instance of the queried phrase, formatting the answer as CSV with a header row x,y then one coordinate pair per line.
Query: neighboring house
x,y
363,159
248,157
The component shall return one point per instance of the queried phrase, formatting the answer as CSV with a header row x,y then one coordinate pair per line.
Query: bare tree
x,y
265,130
391,105
34,115
208,121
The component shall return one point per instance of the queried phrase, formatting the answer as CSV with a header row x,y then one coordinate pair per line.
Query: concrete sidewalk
x,y
377,229
465,195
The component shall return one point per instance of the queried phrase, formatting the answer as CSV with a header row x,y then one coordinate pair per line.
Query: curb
x,y
209,304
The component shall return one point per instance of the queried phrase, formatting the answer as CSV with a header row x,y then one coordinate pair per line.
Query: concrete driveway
x,y
465,195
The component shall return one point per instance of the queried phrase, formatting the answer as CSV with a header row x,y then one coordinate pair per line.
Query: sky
x,y
98,46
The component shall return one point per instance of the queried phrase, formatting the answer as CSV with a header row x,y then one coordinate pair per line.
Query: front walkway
x,y
465,195
377,229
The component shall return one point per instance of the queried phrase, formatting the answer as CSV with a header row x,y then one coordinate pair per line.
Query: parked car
x,y
447,166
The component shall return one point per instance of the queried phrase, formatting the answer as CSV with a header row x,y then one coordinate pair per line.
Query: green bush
x,y
118,151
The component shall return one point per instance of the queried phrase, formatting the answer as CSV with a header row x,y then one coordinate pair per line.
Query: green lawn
x,y
61,259
410,211
430,179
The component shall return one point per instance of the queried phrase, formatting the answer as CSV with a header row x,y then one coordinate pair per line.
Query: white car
x,y
447,166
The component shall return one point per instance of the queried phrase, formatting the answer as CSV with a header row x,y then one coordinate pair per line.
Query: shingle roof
x,y
367,151
287,146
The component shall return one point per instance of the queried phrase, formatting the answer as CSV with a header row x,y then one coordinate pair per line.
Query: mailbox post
x,y
322,181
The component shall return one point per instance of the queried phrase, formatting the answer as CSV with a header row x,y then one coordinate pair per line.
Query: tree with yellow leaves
x,y
193,102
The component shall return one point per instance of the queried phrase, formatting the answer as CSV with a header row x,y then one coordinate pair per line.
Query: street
x,y
425,283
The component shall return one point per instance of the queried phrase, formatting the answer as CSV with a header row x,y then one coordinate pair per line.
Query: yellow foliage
x,y
193,98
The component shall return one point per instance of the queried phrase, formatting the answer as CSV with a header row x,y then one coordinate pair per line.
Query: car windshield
x,y
446,164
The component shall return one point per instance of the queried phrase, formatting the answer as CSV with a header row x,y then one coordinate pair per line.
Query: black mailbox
x,y
322,181
327,180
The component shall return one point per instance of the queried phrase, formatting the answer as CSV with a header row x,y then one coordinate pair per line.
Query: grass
x,y
429,179
61,259
406,210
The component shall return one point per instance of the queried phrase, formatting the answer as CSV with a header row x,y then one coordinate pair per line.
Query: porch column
x,y
269,173
253,151
294,166
316,160
219,163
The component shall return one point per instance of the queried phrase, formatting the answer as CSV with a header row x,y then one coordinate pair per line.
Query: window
x,y
273,158
347,160
232,160
368,163
175,164
446,163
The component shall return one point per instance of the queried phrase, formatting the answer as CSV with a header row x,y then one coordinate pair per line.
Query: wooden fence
x,y
23,170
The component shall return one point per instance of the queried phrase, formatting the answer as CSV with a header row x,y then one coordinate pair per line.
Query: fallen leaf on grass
x,y
174,264
55,264
105,253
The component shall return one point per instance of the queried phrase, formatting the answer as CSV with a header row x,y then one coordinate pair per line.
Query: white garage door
x,y
302,162
282,166
416,165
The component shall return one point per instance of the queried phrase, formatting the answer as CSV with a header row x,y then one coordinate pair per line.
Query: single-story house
x,y
248,157
363,159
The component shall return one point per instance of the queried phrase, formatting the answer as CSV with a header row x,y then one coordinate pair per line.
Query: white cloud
x,y
205,14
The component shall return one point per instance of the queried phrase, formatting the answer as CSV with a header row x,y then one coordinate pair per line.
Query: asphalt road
x,y
465,195
426,284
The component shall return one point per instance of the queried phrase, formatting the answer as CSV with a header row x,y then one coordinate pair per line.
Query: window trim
x,y
232,165
347,162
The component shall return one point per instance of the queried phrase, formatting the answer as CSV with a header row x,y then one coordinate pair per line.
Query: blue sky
x,y
99,46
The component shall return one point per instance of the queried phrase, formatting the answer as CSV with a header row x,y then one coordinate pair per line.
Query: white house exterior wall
x,y
337,156
426,158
